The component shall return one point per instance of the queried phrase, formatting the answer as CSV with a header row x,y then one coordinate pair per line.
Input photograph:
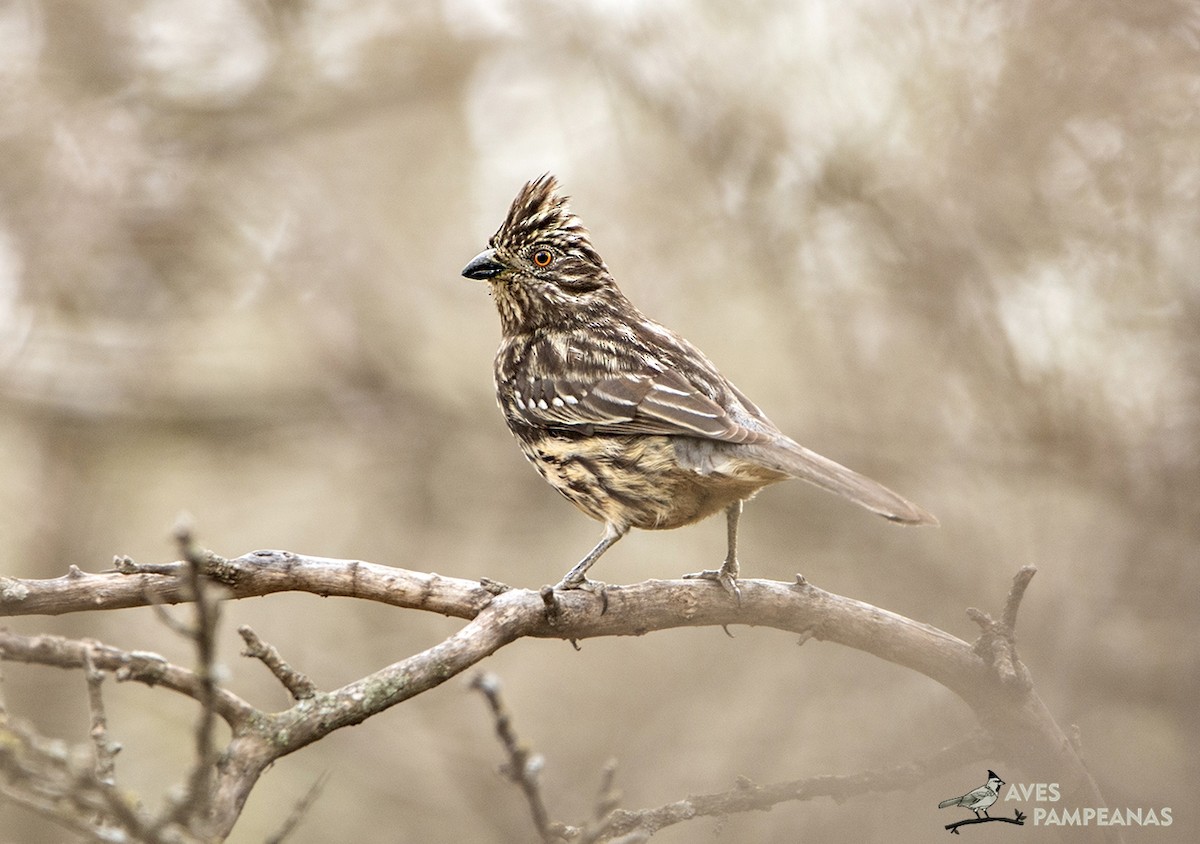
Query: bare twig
x,y
1015,595
125,814
746,796
105,748
167,619
608,800
299,811
195,805
17,790
299,686
997,642
127,666
522,767
49,778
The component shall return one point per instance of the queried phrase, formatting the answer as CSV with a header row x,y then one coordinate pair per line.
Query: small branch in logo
x,y
1019,820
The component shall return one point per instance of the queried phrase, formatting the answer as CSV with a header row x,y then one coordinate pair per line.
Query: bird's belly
x,y
636,481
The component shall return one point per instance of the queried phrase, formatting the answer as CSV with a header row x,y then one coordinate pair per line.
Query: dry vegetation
x,y
953,245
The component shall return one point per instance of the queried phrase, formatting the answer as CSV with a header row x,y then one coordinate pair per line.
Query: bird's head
x,y
541,265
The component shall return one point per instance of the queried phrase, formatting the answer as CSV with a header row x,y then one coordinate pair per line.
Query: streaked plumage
x,y
625,418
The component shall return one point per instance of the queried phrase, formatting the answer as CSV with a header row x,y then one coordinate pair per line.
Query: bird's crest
x,y
540,215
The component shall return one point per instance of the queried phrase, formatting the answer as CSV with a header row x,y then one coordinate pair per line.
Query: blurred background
x,y
951,244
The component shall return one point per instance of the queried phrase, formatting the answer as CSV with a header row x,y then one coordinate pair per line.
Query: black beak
x,y
483,266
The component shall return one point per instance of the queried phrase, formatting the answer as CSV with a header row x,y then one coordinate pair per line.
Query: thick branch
x,y
634,609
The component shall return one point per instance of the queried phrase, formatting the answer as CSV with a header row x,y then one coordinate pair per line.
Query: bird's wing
x,y
972,797
632,403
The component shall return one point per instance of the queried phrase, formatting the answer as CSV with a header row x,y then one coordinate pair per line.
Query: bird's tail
x,y
795,460
953,801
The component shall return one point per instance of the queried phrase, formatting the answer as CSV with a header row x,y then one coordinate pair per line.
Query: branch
x,y
607,802
299,811
745,796
524,766
135,666
43,776
633,609
105,748
987,676
251,575
194,807
299,686
1018,818
997,643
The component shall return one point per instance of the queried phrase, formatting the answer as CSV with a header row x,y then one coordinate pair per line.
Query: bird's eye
x,y
543,257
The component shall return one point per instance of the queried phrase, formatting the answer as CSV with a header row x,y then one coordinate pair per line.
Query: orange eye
x,y
543,257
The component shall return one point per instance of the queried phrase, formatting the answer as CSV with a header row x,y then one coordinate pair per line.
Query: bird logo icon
x,y
980,799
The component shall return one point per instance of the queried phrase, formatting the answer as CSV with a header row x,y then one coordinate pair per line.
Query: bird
x,y
980,799
621,415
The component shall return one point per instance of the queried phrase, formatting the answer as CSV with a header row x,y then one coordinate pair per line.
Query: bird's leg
x,y
727,574
574,579
731,567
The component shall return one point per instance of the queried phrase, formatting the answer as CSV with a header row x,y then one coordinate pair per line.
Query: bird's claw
x,y
596,587
723,576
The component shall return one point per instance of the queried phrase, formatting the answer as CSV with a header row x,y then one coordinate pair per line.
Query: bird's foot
x,y
726,575
596,587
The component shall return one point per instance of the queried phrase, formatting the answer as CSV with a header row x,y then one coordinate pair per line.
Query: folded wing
x,y
632,403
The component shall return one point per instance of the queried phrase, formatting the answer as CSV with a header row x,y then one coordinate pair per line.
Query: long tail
x,y
953,801
799,462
